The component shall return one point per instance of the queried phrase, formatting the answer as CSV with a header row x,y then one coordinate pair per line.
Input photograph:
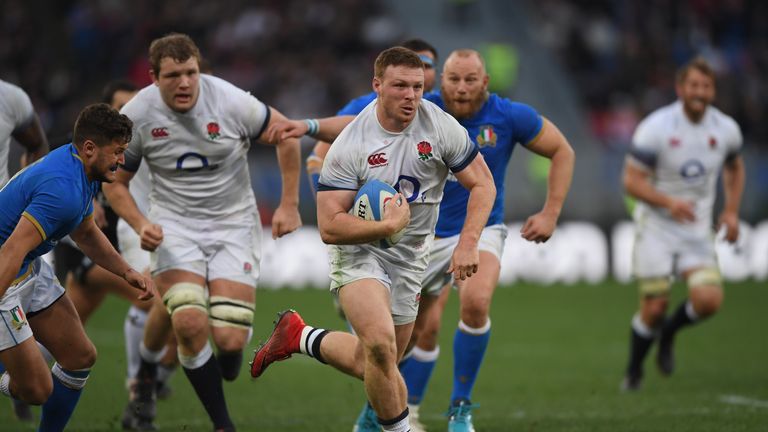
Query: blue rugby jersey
x,y
53,193
495,129
357,104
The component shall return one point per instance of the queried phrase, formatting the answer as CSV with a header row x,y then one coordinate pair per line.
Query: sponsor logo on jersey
x,y
692,169
712,142
377,160
425,150
214,131
486,137
674,142
18,318
158,133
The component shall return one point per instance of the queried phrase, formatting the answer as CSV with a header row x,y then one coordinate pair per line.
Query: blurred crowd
x,y
305,57
623,54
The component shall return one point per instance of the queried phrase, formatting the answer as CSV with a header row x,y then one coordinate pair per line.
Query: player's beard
x,y
468,108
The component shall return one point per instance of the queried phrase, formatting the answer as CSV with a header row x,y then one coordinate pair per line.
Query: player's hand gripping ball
x,y
369,205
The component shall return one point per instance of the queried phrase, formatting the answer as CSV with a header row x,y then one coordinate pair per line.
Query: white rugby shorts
x,y
350,263
35,292
661,250
435,278
229,249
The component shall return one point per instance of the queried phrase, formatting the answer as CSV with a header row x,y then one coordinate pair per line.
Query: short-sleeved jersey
x,y
415,161
496,128
16,112
357,104
684,159
53,193
198,158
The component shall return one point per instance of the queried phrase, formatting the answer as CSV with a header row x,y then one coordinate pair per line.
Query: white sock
x,y
5,384
641,328
151,356
196,360
401,425
691,312
133,330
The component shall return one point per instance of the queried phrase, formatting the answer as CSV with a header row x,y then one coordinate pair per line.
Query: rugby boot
x,y
282,343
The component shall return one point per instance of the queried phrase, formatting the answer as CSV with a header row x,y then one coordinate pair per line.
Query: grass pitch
x,y
556,358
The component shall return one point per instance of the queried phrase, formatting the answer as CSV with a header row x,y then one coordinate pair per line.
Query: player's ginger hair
x,y
697,63
396,56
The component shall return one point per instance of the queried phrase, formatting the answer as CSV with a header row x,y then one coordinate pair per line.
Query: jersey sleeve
x,y
133,153
526,122
645,145
340,168
459,150
21,111
254,114
51,207
355,106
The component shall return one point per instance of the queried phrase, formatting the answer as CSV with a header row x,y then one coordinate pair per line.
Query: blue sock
x,y
417,370
2,368
61,404
469,345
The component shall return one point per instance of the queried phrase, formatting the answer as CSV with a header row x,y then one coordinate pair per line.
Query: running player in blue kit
x,y
45,202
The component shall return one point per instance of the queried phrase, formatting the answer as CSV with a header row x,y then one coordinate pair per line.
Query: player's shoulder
x,y
13,98
144,105
721,119
664,115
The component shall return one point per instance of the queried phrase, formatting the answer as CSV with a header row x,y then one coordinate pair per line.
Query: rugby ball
x,y
369,205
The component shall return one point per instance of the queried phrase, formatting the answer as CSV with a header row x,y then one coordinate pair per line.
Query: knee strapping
x,y
708,276
184,295
229,312
74,379
654,287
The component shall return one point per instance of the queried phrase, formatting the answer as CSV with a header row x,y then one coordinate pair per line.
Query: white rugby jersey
x,y
198,158
16,112
684,159
415,161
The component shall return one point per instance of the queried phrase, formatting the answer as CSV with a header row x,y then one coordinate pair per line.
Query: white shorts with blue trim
x,y
34,293
435,278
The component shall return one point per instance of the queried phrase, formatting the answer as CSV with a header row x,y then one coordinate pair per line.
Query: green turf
x,y
556,358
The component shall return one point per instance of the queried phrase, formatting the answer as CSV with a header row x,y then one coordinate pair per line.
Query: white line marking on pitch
x,y
743,400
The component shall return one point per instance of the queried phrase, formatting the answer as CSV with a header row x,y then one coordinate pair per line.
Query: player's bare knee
x,y
705,289
706,300
34,390
474,312
231,319
382,355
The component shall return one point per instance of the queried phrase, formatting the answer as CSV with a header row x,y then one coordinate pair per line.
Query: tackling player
x,y
40,205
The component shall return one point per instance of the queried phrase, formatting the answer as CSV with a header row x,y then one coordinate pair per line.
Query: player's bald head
x,y
466,56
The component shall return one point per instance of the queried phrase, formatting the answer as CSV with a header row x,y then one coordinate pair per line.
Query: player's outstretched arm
x,y
552,145
478,180
339,227
24,238
122,202
96,246
33,139
638,185
286,218
734,174
325,129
